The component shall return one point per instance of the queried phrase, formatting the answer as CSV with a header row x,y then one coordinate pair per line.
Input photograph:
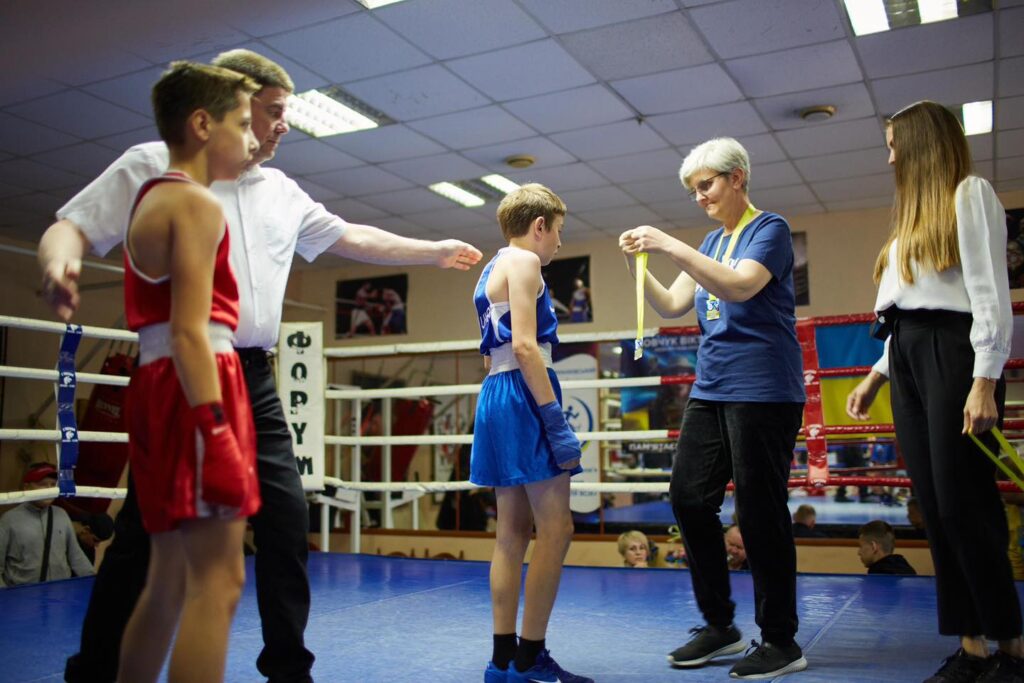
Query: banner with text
x,y
580,408
300,384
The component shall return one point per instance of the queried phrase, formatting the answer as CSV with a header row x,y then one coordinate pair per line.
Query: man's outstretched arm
x,y
372,245
60,257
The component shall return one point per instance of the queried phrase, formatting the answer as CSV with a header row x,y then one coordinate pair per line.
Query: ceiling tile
x,y
131,91
1009,185
661,163
500,74
400,226
353,210
35,176
1010,168
575,15
545,153
24,88
670,91
693,127
622,218
434,169
560,178
762,149
401,202
613,139
35,202
387,143
654,190
854,188
858,204
10,191
316,191
123,141
18,136
783,111
948,86
581,201
1009,113
352,182
679,211
985,169
98,62
767,25
639,47
844,164
453,28
580,108
794,195
1011,142
311,156
779,174
456,217
927,47
1011,77
86,159
263,17
815,140
982,146
818,66
1011,28
418,93
339,49
303,78
474,128
802,209
92,116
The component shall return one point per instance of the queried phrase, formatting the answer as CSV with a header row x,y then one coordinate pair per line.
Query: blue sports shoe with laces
x,y
544,670
493,674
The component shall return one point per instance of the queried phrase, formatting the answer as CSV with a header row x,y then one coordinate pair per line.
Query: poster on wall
x,y
568,280
1015,247
801,283
577,361
370,306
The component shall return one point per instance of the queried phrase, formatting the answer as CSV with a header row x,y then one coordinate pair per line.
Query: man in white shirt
x,y
37,540
269,218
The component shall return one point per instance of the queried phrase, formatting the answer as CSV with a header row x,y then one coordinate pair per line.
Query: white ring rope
x,y
458,389
52,376
15,497
444,486
435,439
54,435
88,331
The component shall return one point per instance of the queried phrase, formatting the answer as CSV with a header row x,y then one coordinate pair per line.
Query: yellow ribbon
x,y
1008,452
641,278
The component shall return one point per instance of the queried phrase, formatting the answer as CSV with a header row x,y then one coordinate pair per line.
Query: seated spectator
x,y
804,520
37,541
877,542
734,549
914,515
635,549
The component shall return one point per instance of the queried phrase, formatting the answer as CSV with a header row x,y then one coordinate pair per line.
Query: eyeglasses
x,y
705,185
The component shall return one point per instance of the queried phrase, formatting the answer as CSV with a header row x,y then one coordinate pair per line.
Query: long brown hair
x,y
932,157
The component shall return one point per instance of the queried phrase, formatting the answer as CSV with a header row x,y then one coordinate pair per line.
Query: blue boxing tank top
x,y
496,318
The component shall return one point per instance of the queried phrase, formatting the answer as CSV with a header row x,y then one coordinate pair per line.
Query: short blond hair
x,y
266,72
189,86
627,537
722,155
522,206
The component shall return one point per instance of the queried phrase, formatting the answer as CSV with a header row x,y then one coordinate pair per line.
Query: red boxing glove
x,y
224,469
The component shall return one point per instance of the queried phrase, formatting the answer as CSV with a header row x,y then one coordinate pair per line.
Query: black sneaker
x,y
959,667
1003,668
707,643
768,661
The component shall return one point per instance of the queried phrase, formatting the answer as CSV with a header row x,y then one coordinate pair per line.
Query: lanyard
x,y
714,307
1008,452
641,279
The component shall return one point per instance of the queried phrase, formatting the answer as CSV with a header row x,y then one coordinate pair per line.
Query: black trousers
x,y
751,443
280,533
931,367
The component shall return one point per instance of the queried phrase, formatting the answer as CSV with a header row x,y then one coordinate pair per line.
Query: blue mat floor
x,y
377,619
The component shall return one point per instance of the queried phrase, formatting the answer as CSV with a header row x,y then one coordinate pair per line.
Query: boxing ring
x,y
397,619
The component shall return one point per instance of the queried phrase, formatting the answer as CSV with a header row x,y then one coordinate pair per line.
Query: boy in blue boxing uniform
x,y
522,444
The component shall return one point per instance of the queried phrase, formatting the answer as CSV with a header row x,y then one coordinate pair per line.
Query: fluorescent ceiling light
x,y
374,4
867,16
500,182
457,194
936,10
977,117
320,115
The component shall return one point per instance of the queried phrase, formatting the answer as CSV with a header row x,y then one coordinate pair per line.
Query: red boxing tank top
x,y
147,301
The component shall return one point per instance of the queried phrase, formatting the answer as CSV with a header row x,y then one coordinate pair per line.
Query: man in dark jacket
x,y
877,542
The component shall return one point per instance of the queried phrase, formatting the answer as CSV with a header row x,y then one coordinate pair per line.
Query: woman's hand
x,y
630,263
980,413
863,395
645,238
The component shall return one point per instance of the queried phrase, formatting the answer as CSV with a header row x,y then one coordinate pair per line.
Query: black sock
x,y
504,649
526,656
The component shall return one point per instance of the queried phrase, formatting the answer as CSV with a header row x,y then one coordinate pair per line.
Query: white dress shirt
x,y
979,285
269,218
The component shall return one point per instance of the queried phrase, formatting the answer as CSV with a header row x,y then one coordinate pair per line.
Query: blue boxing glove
x,y
564,444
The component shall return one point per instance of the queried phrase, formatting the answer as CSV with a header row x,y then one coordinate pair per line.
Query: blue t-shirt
x,y
751,353
496,319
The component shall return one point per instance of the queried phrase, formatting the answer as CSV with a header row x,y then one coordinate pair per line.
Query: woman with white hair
x,y
744,410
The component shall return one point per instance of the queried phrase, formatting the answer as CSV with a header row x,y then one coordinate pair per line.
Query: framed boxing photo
x,y
1015,247
371,306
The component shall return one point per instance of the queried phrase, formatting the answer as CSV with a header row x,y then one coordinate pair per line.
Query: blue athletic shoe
x,y
544,670
493,674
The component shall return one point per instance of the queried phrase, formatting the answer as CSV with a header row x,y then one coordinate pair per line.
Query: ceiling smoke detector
x,y
520,161
818,113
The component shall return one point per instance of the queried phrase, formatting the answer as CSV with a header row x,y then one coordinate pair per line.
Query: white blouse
x,y
979,285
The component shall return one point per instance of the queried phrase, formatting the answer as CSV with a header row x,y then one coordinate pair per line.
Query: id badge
x,y
714,311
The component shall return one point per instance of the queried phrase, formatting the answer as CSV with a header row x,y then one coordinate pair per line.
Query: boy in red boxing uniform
x,y
191,434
